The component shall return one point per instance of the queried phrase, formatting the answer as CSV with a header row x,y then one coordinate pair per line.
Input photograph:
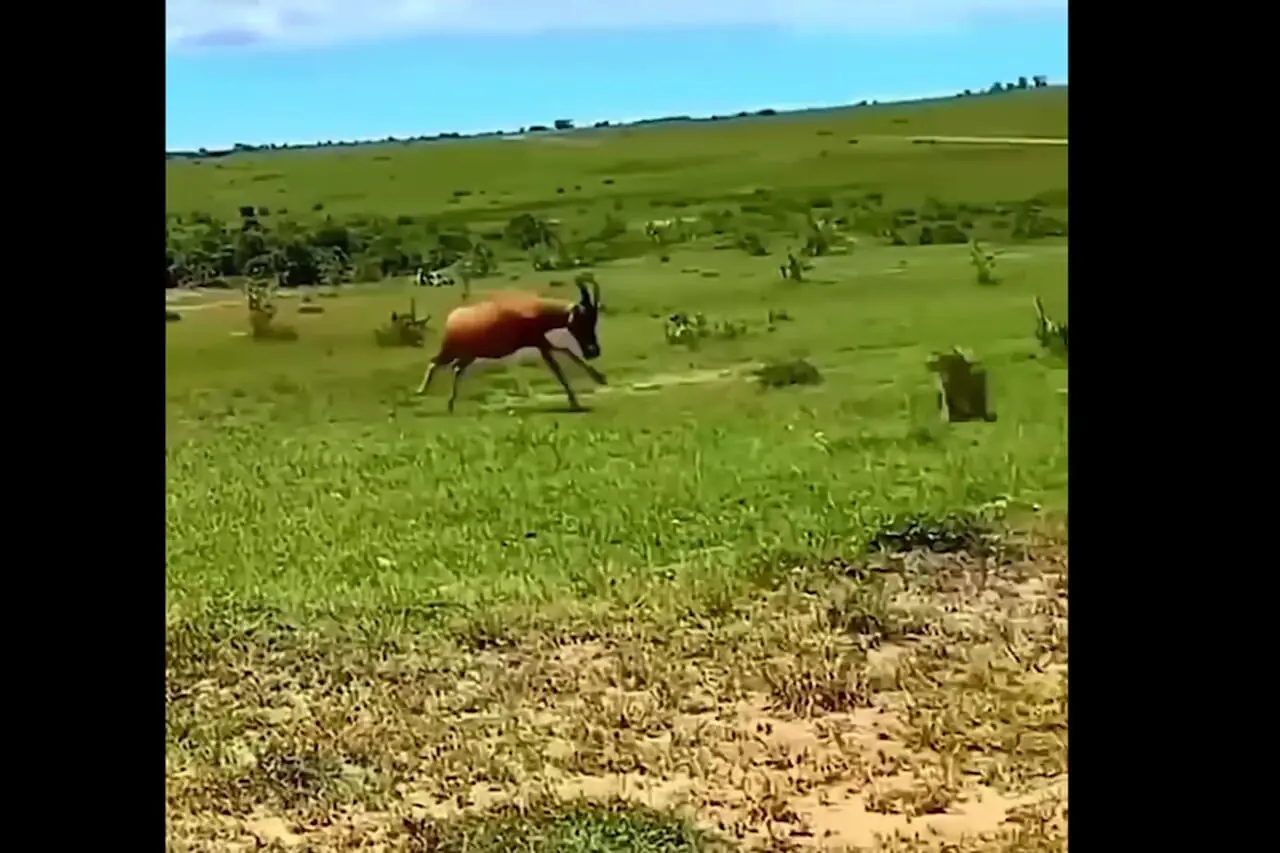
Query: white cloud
x,y
195,24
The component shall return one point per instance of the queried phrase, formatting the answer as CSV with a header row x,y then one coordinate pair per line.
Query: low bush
x,y
403,330
781,374
262,314
751,243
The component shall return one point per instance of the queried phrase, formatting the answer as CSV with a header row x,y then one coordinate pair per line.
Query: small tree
x,y
821,237
403,330
1052,336
792,269
984,264
260,295
962,395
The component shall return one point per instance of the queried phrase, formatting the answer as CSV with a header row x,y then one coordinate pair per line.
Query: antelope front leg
x,y
427,377
559,374
591,371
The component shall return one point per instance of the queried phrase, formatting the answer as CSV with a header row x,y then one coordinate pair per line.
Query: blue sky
x,y
257,71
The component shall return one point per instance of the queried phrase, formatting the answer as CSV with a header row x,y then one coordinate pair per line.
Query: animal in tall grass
x,y
506,322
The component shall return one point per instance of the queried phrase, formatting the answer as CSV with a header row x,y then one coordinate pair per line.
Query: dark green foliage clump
x,y
963,395
948,234
616,826
752,244
403,330
781,374
942,534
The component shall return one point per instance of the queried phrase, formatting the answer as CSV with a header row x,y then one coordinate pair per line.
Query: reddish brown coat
x,y
502,324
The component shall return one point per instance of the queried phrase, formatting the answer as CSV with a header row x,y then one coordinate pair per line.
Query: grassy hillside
x,y
695,159
761,594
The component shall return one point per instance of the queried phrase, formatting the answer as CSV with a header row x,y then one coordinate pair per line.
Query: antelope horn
x,y
586,297
595,293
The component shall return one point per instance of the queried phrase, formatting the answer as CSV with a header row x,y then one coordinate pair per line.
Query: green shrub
x,y
260,295
780,374
984,264
751,243
403,330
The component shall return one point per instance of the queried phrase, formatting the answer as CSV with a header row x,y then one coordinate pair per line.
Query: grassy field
x,y
702,615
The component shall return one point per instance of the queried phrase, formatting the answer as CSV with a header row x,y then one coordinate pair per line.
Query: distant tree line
x,y
203,250
1037,81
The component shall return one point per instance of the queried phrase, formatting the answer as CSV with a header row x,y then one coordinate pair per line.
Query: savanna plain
x,y
760,594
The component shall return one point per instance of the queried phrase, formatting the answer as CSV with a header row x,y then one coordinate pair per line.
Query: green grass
x,y
614,827
380,500
381,618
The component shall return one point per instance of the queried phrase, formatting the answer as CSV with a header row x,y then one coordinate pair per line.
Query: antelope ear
x,y
595,293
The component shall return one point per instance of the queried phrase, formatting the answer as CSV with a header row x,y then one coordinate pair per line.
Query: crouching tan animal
x,y
507,322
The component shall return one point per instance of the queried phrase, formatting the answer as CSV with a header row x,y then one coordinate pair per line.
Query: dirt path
x,y
632,386
200,306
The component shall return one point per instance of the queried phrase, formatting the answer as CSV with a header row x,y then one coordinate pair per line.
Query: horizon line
x,y
595,124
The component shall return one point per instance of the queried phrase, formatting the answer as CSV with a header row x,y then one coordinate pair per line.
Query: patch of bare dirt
x,y
920,706
202,306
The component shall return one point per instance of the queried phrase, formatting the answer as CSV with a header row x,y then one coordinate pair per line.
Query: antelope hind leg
x,y
591,371
458,370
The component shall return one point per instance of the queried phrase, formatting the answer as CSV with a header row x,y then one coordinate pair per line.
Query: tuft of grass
x,y
403,330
